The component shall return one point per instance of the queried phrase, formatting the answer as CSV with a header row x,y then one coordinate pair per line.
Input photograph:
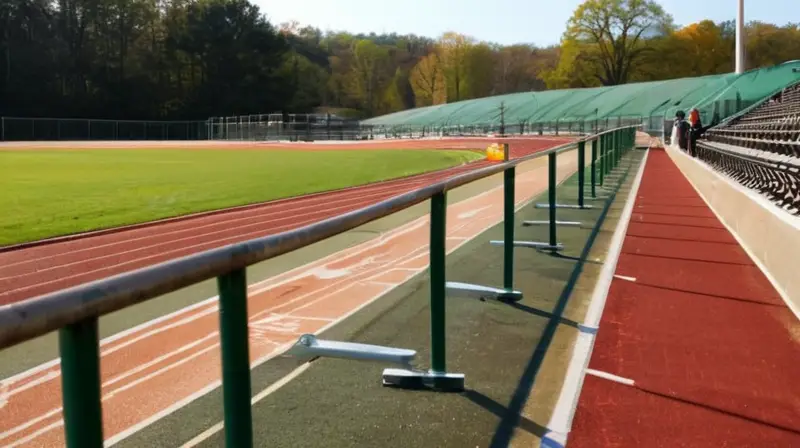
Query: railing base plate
x,y
547,223
482,292
413,379
573,206
531,244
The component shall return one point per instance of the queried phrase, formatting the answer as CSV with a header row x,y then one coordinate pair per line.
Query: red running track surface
x,y
37,270
32,271
712,349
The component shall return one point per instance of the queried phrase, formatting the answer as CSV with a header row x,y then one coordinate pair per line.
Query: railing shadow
x,y
511,417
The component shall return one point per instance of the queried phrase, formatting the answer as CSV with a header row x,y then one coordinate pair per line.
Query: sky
x,y
539,22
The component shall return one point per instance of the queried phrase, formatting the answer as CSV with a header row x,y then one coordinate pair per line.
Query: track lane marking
x,y
411,271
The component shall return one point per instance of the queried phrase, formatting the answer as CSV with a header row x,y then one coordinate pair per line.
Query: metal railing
x,y
74,312
286,127
77,129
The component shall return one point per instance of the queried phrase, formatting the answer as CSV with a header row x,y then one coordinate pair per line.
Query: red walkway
x,y
711,349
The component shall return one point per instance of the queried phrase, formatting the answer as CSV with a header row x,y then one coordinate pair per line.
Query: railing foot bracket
x,y
420,379
572,206
532,244
481,292
309,347
547,223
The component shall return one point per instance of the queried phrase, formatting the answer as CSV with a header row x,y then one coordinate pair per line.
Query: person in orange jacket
x,y
695,130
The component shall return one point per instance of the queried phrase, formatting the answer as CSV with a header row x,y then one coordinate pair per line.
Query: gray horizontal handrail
x,y
37,316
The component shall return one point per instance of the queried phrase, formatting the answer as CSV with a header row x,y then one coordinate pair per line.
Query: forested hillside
x,y
185,59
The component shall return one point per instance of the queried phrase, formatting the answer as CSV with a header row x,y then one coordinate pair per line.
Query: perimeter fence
x,y
68,129
649,105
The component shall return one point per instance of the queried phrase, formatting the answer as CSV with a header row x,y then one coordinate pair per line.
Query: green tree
x,y
479,62
368,74
427,81
611,35
767,44
452,50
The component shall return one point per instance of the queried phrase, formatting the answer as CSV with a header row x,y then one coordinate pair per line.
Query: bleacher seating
x,y
761,148
773,127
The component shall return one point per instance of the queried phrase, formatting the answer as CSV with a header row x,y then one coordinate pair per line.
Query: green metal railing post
x,y
234,342
437,274
633,139
79,347
614,149
603,148
508,225
551,196
594,168
581,171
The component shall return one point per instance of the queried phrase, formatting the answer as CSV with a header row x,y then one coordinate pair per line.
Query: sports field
x,y
52,192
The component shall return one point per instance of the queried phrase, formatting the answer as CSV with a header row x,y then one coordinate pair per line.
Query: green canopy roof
x,y
720,95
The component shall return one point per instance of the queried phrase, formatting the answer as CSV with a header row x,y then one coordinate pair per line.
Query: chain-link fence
x,y
286,127
327,127
53,129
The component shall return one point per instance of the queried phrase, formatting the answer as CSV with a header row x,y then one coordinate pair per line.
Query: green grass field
x,y
49,193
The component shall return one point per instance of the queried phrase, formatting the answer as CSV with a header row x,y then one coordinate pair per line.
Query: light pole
x,y
740,38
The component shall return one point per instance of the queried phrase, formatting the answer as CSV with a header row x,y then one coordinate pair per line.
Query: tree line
x,y
192,59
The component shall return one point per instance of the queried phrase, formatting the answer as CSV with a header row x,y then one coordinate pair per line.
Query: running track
x,y
38,270
695,346
174,359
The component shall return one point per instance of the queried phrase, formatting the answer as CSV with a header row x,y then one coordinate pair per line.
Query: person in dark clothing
x,y
682,128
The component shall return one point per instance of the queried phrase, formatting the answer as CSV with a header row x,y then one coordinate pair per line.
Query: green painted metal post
x,y
437,274
603,144
234,341
78,344
616,149
581,171
633,139
594,168
551,195
508,226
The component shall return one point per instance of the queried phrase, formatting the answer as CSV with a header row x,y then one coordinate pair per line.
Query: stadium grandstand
x,y
652,104
760,147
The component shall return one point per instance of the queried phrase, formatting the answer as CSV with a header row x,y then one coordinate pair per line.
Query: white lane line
x,y
260,396
626,278
254,289
278,350
129,342
36,434
561,420
110,394
610,377
299,207
30,423
167,368
411,226
4,394
157,360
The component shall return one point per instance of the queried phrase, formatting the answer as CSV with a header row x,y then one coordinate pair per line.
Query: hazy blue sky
x,y
503,21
